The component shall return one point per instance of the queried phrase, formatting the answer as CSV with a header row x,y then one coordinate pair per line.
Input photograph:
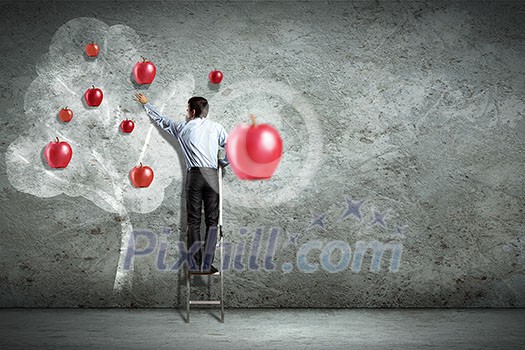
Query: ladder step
x,y
206,302
218,273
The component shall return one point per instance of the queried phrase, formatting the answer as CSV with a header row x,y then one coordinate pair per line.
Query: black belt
x,y
196,168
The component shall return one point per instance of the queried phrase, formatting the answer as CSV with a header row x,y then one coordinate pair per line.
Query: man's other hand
x,y
223,163
140,98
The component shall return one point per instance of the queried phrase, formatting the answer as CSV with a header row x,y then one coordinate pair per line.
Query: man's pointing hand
x,y
140,98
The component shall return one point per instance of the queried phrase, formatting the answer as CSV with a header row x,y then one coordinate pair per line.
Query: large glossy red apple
x,y
263,143
58,153
65,114
93,96
92,49
141,176
254,151
215,76
127,126
144,72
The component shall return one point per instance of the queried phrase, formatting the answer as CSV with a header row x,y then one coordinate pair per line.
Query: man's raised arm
x,y
169,125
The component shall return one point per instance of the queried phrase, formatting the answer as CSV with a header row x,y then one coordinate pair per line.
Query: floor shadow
x,y
214,314
182,313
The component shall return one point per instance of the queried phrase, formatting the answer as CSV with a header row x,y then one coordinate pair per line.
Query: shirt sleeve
x,y
169,125
223,137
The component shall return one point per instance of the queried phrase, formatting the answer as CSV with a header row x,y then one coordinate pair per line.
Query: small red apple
x,y
254,151
141,176
65,114
58,153
215,76
92,49
127,126
93,96
144,72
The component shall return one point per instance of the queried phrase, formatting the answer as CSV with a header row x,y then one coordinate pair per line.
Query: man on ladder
x,y
200,139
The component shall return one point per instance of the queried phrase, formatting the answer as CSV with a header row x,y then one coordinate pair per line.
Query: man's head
x,y
197,107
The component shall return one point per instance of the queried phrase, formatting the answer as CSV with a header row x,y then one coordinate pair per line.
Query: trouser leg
x,y
194,182
210,196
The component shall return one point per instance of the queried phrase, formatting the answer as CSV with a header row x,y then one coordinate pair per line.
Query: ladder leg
x,y
188,285
209,287
222,277
222,245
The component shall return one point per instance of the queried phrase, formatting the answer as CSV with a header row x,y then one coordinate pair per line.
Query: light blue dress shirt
x,y
199,138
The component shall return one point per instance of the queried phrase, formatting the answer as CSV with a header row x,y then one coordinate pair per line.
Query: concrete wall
x,y
401,180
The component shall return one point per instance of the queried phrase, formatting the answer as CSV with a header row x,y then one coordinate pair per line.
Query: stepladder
x,y
219,273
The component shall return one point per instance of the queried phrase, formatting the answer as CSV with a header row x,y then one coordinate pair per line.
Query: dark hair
x,y
200,105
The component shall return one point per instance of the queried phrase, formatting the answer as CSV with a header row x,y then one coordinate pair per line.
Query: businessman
x,y
200,139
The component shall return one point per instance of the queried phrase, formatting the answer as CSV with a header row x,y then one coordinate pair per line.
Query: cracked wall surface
x,y
401,182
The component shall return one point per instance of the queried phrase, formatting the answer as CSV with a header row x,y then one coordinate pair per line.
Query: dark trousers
x,y
202,186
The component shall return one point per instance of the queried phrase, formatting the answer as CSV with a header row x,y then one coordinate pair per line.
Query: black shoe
x,y
211,270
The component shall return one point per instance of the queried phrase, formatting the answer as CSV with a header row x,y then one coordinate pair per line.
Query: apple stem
x,y
93,86
143,59
252,117
66,107
140,164
57,139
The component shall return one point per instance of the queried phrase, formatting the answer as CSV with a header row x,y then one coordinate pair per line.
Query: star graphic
x,y
292,240
354,208
317,220
399,232
379,218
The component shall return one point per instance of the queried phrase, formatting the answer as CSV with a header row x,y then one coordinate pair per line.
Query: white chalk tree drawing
x,y
102,155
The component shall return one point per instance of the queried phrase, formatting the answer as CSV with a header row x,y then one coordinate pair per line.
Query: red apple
x,y
92,49
58,153
141,176
263,142
93,96
144,72
215,76
65,114
127,126
254,151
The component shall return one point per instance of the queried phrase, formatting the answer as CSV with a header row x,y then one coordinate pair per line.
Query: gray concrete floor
x,y
268,328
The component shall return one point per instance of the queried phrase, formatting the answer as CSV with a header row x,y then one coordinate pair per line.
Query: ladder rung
x,y
206,302
218,273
